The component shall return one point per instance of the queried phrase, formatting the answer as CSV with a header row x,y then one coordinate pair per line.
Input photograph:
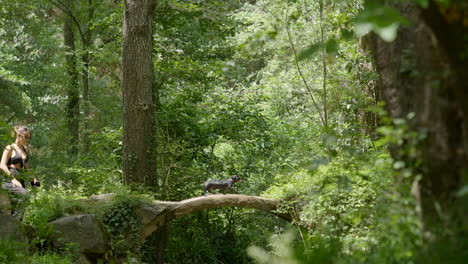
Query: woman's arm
x,y
5,156
3,165
26,165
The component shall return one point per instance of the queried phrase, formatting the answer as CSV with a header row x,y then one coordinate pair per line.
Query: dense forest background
x,y
351,112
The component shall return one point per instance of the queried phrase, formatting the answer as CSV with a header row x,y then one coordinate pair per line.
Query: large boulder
x,y
83,233
5,203
12,229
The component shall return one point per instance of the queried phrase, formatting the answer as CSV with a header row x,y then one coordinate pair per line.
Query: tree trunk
x,y
139,166
157,241
73,107
86,42
423,72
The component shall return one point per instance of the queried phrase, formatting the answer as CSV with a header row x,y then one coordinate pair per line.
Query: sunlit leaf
x,y
389,33
363,28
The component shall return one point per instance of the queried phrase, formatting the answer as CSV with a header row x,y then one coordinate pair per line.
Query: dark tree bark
x,y
157,241
139,166
425,72
73,106
139,149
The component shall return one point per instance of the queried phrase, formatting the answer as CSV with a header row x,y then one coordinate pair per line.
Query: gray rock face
x,y
82,232
103,197
12,229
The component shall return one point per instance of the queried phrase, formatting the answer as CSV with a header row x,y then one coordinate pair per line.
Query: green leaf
x,y
309,51
444,3
389,33
423,3
463,191
382,20
363,28
331,47
347,34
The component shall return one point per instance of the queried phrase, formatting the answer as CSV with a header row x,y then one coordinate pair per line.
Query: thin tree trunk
x,y
157,134
139,165
324,66
86,42
73,107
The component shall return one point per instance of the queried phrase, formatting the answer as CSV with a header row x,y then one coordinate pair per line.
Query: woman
x,y
15,159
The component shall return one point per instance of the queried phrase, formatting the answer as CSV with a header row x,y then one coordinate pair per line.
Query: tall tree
x,y
84,28
139,166
73,107
86,38
424,72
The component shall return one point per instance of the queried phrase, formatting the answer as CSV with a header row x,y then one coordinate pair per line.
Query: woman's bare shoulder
x,y
8,149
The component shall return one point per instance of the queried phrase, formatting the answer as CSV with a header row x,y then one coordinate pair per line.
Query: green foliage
x,y
11,252
5,135
44,206
97,172
381,19
339,198
219,236
229,100
119,219
287,248
13,101
50,258
309,52
282,251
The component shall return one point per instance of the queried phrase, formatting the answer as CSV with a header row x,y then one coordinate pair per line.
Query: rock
x,y
103,197
5,203
12,229
82,259
83,231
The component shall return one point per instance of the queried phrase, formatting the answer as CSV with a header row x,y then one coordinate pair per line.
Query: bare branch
x,y
296,62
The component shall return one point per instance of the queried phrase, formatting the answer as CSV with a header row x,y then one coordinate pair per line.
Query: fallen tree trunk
x,y
216,201
153,216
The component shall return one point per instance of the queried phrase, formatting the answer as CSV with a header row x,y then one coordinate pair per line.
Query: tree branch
x,y
69,13
296,62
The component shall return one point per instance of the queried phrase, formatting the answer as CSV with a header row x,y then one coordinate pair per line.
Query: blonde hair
x,y
22,130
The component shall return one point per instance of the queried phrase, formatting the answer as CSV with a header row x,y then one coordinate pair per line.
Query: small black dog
x,y
220,184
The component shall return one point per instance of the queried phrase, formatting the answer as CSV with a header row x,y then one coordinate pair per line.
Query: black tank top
x,y
15,157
